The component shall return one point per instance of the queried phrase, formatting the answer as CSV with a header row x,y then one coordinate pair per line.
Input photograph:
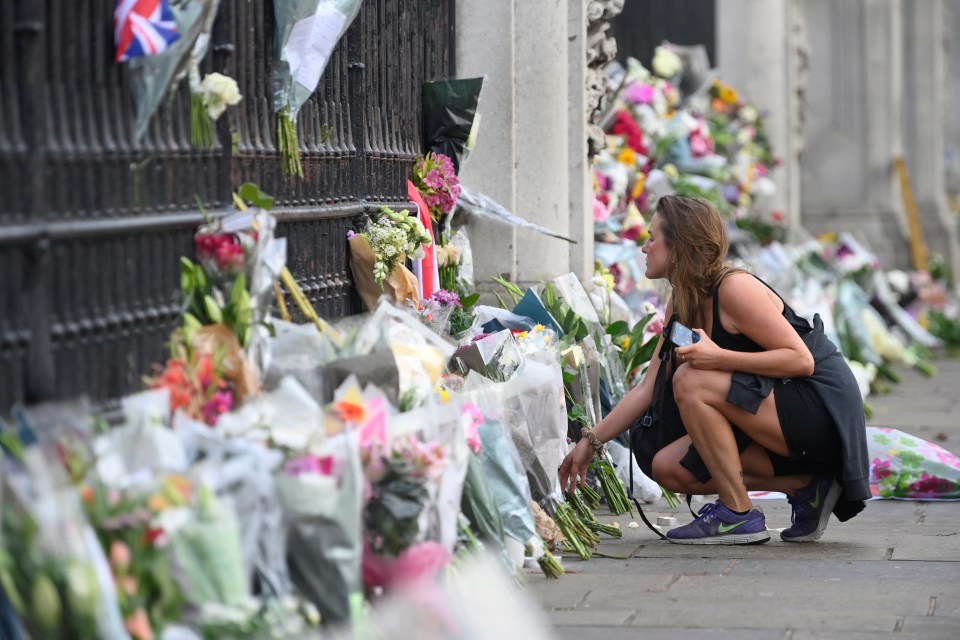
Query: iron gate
x,y
93,221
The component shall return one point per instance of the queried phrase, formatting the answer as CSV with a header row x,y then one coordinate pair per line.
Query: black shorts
x,y
808,428
809,431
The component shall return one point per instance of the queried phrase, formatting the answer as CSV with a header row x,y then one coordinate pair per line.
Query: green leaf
x,y
214,312
187,278
618,328
469,301
511,288
549,296
239,290
252,194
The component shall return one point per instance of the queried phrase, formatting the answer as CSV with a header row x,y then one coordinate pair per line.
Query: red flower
x,y
624,125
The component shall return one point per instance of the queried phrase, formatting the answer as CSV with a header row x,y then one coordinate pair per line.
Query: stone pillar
x,y
952,20
485,47
925,123
531,151
541,121
761,53
853,123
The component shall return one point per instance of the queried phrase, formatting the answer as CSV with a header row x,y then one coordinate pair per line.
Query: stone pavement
x,y
892,571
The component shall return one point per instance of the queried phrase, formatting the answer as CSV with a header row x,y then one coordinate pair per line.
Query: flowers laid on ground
x,y
196,383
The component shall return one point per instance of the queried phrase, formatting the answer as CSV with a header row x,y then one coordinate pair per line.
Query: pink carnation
x,y
420,562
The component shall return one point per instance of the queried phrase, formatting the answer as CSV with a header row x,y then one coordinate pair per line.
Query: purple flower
x,y
638,93
447,202
446,164
350,234
220,403
446,298
433,179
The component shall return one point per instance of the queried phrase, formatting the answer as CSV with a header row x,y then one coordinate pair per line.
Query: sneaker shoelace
x,y
707,512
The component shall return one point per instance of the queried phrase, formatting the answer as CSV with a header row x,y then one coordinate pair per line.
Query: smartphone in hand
x,y
682,336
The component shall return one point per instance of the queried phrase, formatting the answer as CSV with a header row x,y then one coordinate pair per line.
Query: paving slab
x,y
891,572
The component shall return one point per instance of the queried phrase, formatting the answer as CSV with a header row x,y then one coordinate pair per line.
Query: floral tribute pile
x,y
278,480
712,144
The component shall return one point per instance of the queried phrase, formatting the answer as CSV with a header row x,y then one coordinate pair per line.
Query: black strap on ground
x,y
636,502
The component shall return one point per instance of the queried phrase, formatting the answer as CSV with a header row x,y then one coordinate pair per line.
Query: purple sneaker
x,y
716,524
812,506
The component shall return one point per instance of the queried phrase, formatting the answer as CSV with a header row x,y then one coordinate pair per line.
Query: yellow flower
x,y
443,394
537,328
522,334
157,502
638,186
628,157
671,171
608,280
729,95
626,342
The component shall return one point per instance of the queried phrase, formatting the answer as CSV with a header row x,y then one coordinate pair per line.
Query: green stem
x,y
288,144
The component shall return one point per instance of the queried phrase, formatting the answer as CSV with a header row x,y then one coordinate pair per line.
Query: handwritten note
x,y
311,42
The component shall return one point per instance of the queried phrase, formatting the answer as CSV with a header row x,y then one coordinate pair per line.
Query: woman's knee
x,y
668,473
688,384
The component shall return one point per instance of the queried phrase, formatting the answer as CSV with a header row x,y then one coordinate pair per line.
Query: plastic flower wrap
x,y
238,466
206,551
904,466
238,260
52,568
505,476
532,407
322,496
444,427
377,253
399,472
421,356
307,32
437,310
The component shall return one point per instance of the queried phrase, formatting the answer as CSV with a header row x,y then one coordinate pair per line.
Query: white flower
x,y
666,63
219,92
748,114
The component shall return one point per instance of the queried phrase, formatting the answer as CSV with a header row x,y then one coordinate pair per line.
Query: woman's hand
x,y
703,354
574,466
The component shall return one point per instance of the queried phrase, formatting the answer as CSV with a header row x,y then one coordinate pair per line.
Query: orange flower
x,y
628,157
138,625
88,494
350,411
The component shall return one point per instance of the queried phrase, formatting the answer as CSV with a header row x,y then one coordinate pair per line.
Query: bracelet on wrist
x,y
592,439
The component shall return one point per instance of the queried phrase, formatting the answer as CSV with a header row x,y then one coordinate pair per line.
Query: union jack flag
x,y
143,28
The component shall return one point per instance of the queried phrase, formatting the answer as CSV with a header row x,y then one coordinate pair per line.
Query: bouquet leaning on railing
x,y
377,252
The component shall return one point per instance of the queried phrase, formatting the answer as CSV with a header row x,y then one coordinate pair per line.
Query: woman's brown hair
x,y
697,236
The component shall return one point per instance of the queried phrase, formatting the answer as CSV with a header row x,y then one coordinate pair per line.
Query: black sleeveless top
x,y
740,342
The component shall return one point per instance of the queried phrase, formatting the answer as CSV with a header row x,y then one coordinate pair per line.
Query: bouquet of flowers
x,y
377,253
438,309
322,495
398,474
437,181
307,32
51,567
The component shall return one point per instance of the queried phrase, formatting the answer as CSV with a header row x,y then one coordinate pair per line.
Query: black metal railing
x,y
93,221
